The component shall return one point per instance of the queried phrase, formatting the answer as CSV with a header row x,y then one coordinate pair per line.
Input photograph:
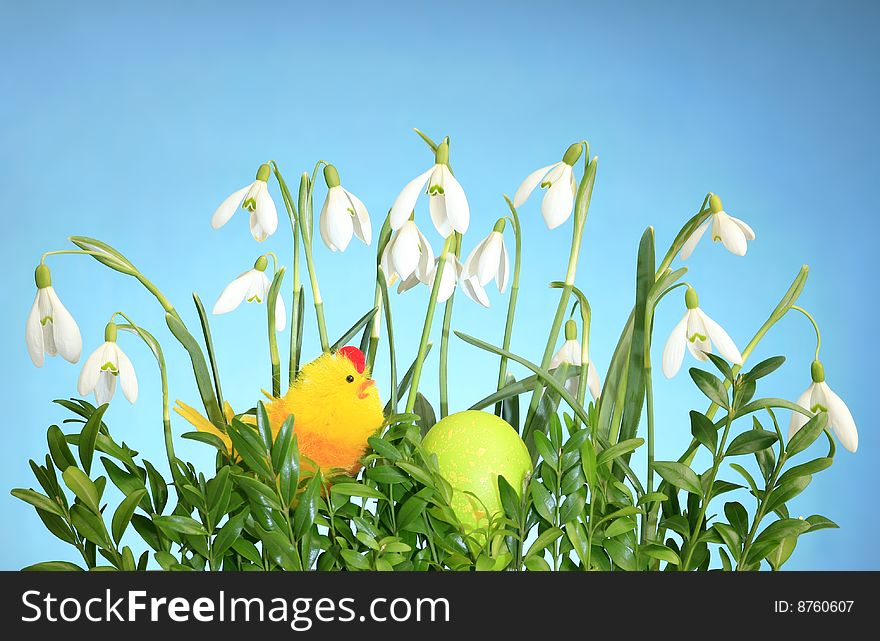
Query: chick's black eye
x,y
350,378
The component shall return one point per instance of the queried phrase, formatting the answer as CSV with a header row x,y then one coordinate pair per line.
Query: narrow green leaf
x,y
38,501
82,486
356,489
590,465
228,534
58,448
711,386
342,341
200,368
88,438
545,538
634,396
704,430
122,515
764,368
805,436
751,442
660,552
787,491
620,449
679,475
738,517
180,524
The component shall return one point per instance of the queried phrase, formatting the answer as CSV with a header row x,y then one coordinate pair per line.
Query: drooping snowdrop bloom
x,y
571,353
698,333
408,253
732,232
50,329
558,180
820,398
446,199
251,286
342,215
448,279
254,199
103,367
489,261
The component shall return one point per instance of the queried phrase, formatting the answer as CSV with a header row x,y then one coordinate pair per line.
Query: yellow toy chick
x,y
335,405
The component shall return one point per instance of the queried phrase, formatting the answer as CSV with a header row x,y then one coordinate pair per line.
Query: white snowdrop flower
x,y
342,215
698,333
446,199
251,286
489,261
819,398
558,180
448,279
103,367
50,329
407,253
254,199
732,232
571,353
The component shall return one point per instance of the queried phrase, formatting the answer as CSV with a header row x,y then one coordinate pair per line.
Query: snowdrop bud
x,y
442,154
570,330
715,204
42,276
691,299
572,154
817,371
110,332
499,225
264,172
331,176
261,263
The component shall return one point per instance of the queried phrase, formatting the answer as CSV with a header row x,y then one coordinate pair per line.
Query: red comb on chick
x,y
356,356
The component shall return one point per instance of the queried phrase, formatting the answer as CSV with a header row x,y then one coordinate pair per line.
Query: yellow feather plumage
x,y
335,408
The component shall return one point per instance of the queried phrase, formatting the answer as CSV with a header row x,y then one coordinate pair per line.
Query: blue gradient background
x,y
131,123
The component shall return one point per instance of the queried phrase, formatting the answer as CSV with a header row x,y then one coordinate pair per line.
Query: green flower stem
x,y
704,504
271,303
389,328
295,320
305,205
815,327
373,345
581,208
762,509
61,252
444,339
514,293
426,328
154,347
647,527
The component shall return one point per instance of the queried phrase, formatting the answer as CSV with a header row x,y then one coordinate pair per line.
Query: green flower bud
x,y
572,154
442,154
715,204
264,172
571,330
691,299
499,225
261,263
110,332
42,276
817,371
331,176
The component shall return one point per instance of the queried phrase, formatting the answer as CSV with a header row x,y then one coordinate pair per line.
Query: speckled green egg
x,y
473,449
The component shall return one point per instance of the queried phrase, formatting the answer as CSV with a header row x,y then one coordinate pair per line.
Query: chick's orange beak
x,y
364,386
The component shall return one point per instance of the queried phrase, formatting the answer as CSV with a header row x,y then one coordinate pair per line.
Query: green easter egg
x,y
473,449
